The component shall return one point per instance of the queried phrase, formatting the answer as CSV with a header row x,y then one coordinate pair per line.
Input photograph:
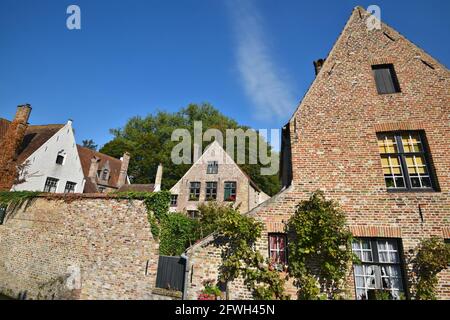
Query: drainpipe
x,y
186,275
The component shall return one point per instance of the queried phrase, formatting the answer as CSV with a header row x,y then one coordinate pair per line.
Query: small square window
x,y
386,78
213,167
60,159
193,214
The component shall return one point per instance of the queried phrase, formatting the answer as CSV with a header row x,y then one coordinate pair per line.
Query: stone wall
x,y
46,240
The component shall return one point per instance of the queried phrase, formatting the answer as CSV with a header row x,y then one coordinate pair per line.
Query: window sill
x,y
412,191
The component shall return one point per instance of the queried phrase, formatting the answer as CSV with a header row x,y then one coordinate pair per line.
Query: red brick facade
x,y
333,145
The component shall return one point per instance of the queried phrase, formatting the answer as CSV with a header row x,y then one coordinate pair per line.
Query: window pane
x,y
411,142
387,143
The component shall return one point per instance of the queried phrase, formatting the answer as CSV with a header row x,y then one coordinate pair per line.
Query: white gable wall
x,y
42,163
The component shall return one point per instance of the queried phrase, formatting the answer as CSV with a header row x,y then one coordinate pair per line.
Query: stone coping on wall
x,y
75,196
168,293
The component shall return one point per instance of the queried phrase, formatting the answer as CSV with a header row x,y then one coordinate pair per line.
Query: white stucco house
x,y
52,161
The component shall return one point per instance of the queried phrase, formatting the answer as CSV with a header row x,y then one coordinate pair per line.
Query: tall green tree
x,y
148,139
89,144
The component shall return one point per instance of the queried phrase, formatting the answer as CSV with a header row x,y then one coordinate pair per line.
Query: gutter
x,y
186,275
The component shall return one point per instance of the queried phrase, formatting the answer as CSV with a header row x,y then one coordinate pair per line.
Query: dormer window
x,y
105,174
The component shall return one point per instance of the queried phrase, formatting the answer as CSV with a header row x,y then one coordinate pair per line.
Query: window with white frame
x,y
404,160
213,167
229,191
173,200
50,185
278,248
211,191
194,191
380,268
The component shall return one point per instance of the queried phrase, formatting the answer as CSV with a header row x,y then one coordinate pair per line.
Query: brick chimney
x,y
10,146
158,178
318,65
93,169
123,170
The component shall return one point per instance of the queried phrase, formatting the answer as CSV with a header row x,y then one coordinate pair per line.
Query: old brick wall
x,y
109,240
334,144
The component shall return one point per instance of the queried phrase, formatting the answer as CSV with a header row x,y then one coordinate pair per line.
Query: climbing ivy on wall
x,y
320,254
15,199
241,258
157,204
432,256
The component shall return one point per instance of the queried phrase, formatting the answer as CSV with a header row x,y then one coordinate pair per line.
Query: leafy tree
x,y
433,256
148,140
320,254
89,144
178,232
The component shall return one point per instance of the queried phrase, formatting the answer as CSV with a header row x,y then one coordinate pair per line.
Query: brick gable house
x,y
215,177
372,132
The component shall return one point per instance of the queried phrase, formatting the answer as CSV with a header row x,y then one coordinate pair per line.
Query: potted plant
x,y
231,198
210,292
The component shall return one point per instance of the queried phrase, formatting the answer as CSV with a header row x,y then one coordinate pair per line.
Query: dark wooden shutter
x,y
385,79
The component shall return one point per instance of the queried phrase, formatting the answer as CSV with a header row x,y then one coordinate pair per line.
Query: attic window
x,y
105,174
60,159
385,78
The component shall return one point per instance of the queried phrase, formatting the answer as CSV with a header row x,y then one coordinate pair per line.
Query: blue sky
x,y
250,59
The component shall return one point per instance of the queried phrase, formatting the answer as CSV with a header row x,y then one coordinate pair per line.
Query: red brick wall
x,y
334,144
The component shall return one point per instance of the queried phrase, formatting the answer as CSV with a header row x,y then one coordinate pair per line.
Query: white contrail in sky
x,y
264,84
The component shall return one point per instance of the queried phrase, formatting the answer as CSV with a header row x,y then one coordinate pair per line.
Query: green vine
x,y
241,258
16,198
156,203
320,255
433,256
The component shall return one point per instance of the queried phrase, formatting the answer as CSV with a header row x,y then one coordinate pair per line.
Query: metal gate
x,y
170,273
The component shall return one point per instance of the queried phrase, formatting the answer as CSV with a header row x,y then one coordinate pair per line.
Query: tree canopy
x,y
89,144
148,139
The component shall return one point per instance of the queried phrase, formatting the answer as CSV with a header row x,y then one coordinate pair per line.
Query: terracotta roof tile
x,y
137,187
87,154
35,137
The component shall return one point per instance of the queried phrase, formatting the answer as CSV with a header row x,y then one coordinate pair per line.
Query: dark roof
x,y
137,187
35,137
86,155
